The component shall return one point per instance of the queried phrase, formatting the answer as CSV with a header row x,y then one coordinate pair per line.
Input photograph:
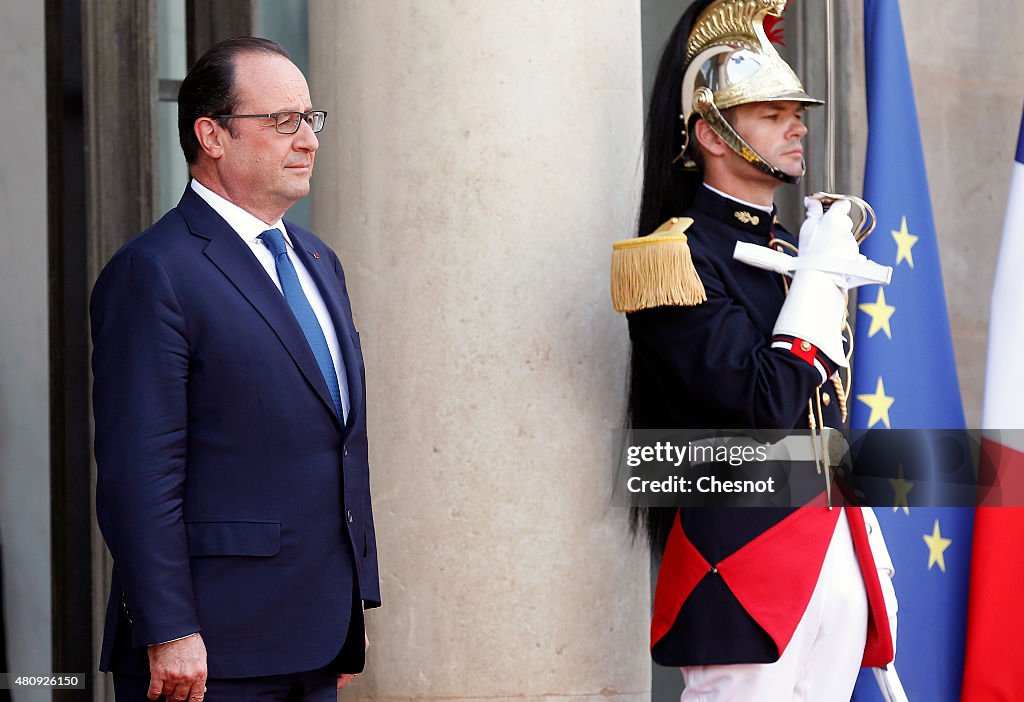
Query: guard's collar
x,y
732,212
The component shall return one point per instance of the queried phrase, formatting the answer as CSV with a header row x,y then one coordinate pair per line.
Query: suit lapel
x,y
236,261
344,327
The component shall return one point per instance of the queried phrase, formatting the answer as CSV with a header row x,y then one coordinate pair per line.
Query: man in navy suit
x,y
233,488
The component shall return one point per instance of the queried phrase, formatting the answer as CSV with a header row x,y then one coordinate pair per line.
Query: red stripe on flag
x,y
1000,475
995,637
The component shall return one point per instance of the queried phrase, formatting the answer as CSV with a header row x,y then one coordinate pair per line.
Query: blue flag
x,y
904,373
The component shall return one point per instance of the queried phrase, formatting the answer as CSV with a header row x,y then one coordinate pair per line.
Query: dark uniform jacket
x,y
734,582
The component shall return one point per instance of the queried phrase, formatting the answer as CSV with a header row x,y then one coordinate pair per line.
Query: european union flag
x,y
905,374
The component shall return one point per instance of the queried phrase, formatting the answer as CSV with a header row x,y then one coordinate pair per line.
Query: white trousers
x,y
823,658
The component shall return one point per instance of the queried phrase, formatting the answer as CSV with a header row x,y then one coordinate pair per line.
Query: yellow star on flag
x,y
936,546
900,488
904,244
880,314
879,403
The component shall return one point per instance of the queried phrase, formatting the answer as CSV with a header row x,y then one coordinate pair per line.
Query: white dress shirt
x,y
249,228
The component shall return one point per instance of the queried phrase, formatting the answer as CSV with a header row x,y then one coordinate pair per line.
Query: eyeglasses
x,y
289,122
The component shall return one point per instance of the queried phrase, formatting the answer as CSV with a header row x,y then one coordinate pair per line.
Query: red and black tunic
x,y
734,582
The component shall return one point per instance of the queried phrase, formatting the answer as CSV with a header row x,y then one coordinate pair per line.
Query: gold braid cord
x,y
842,385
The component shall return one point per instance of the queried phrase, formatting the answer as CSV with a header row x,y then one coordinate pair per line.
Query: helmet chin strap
x,y
704,105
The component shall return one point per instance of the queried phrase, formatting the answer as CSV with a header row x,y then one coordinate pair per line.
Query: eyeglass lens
x,y
289,122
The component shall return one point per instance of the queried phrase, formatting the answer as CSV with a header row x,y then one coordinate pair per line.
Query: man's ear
x,y
209,134
708,139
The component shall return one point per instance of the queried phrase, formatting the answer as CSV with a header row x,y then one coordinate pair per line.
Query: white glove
x,y
814,210
816,305
886,570
829,234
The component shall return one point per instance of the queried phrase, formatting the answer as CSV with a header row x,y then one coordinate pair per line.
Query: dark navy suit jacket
x,y
233,499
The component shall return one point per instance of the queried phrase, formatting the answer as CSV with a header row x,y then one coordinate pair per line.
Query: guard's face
x,y
266,171
775,130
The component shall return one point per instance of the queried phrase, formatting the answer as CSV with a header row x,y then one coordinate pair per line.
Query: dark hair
x,y
667,188
209,87
667,191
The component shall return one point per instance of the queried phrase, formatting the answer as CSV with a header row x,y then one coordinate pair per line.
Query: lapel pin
x,y
316,255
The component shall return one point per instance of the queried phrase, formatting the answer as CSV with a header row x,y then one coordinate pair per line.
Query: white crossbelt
x,y
790,448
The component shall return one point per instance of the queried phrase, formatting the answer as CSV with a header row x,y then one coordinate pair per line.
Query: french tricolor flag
x,y
995,621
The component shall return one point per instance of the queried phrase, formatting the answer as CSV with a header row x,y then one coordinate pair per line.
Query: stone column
x,y
24,361
478,161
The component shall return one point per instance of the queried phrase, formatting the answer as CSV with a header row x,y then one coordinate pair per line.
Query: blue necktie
x,y
296,299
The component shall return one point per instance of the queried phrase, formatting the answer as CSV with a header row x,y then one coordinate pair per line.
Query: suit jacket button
x,y
344,450
826,399
348,514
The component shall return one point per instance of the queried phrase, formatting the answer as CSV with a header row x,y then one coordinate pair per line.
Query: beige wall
x,y
24,401
967,62
479,161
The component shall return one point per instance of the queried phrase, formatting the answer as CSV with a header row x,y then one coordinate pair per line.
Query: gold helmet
x,y
730,61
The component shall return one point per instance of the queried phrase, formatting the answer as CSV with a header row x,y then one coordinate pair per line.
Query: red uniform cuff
x,y
807,352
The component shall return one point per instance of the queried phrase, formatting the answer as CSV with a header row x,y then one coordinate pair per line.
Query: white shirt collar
x,y
245,225
763,208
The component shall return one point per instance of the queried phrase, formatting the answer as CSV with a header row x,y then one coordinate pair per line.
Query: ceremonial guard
x,y
753,603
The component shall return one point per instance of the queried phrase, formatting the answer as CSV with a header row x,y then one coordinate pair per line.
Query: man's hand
x,y
177,669
345,678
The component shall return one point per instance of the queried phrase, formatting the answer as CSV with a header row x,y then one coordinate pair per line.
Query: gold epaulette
x,y
656,270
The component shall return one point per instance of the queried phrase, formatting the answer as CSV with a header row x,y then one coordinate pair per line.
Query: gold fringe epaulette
x,y
656,270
